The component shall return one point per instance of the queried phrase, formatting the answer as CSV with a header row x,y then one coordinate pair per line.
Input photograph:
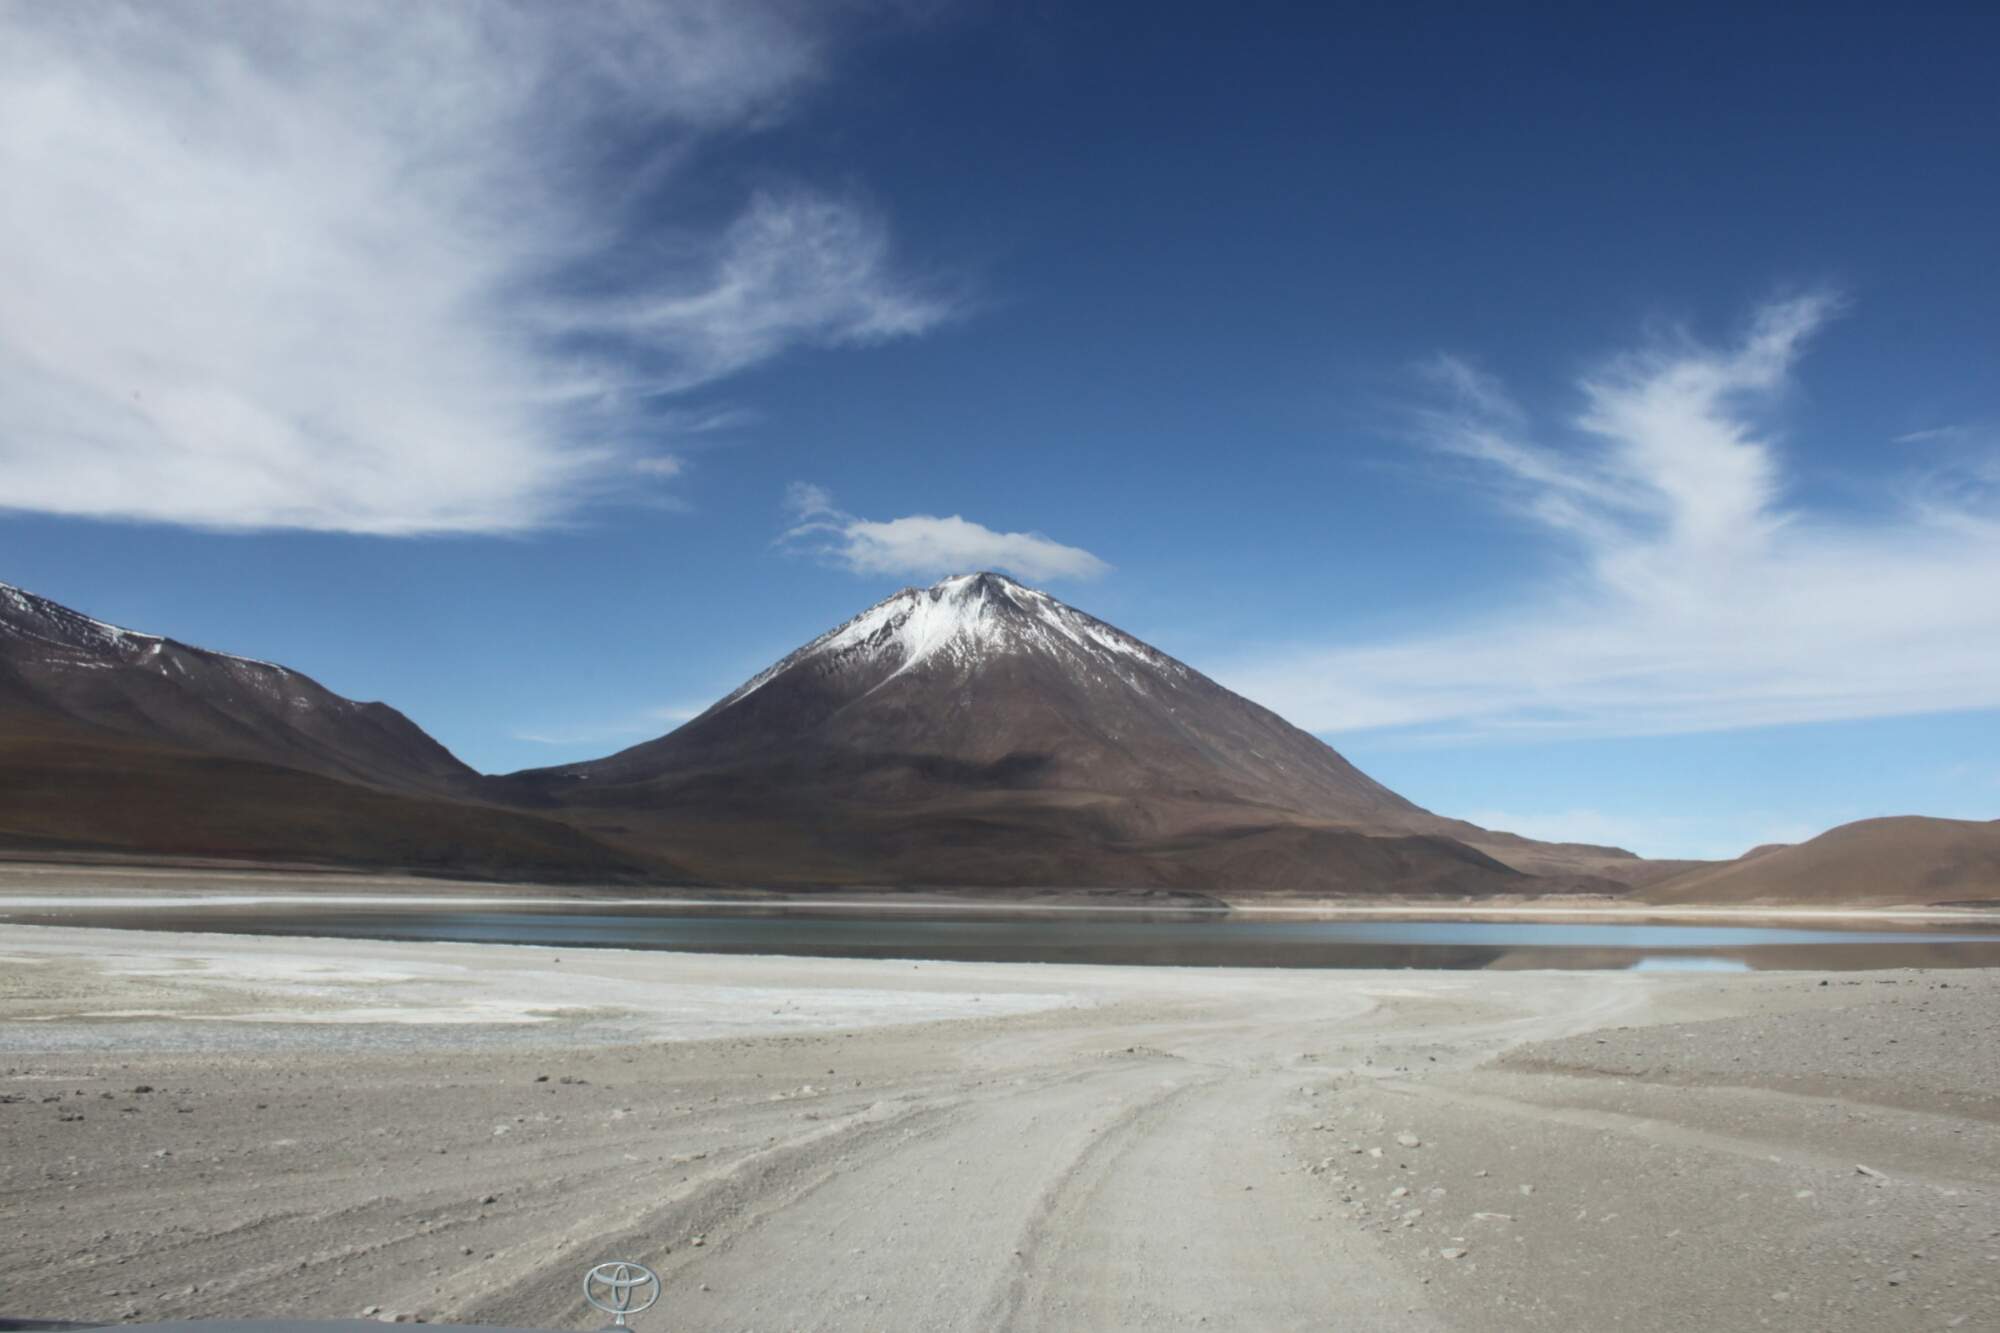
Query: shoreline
x,y
90,900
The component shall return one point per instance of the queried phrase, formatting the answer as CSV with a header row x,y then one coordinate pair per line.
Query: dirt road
x,y
457,1131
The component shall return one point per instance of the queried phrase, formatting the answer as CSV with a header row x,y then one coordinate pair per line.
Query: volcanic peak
x,y
964,621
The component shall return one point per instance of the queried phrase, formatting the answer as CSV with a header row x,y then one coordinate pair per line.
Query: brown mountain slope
x,y
981,684
1904,860
115,741
67,788
980,732
56,662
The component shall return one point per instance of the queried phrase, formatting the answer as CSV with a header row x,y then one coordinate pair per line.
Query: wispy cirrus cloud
x,y
1696,595
923,545
353,265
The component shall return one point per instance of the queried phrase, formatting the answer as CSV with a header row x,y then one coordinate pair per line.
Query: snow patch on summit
x,y
965,620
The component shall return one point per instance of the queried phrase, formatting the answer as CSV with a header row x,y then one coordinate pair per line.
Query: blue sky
x,y
1588,423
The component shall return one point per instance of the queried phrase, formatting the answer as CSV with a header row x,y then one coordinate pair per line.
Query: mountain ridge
x,y
176,694
1889,859
976,732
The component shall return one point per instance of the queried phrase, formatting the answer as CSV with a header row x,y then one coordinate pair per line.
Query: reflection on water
x,y
1177,939
1693,962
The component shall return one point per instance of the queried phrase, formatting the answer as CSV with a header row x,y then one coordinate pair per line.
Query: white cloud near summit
x,y
923,545
361,266
1697,595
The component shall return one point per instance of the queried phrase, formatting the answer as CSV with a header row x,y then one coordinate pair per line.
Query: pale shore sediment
x,y
101,898
457,1130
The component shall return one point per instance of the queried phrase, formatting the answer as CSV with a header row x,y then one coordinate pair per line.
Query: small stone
x,y
1400,1192
1453,1252
1527,1189
1897,1278
1409,1140
489,1198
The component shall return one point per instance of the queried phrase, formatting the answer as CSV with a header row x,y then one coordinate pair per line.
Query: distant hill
x,y
66,788
1909,859
116,741
59,663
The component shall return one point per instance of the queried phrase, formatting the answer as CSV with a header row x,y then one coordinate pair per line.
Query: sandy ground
x,y
232,1126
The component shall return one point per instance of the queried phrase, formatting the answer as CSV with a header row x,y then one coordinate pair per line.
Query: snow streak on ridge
x,y
965,620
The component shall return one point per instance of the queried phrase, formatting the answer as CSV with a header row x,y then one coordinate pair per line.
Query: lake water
x,y
1178,939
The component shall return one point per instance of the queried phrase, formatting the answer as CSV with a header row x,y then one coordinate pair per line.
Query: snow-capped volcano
x,y
981,731
967,620
1000,685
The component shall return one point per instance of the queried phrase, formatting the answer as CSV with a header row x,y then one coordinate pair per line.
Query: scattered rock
x,y
1453,1252
1409,1140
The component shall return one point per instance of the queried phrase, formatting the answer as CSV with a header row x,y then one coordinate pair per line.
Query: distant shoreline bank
x,y
19,896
